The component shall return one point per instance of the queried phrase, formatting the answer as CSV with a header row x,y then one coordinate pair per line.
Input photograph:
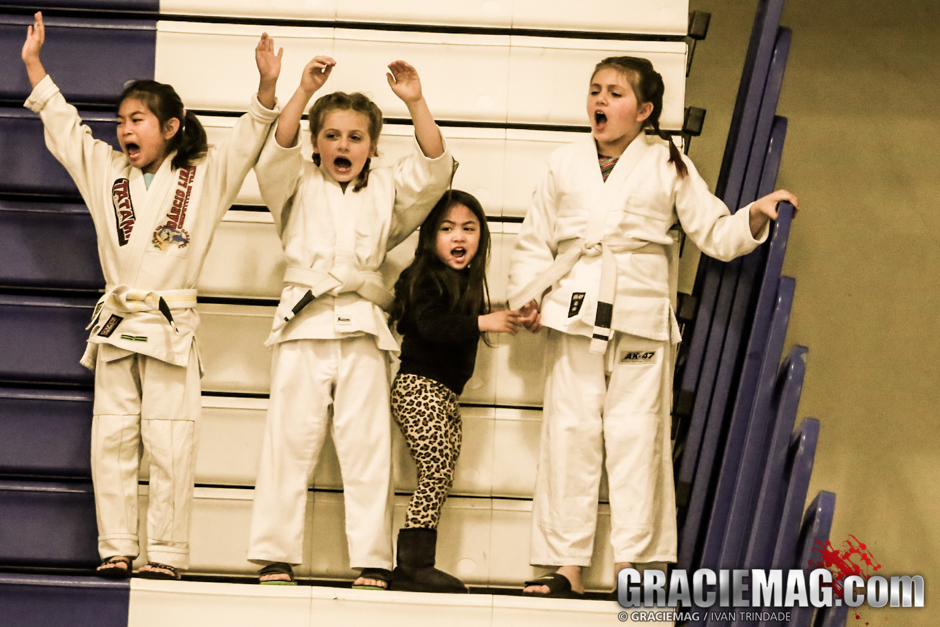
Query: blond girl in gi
x,y
337,218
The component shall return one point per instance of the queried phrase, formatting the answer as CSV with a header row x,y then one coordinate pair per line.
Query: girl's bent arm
x,y
315,74
765,209
404,81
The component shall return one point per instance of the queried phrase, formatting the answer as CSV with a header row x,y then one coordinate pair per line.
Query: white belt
x,y
569,252
130,300
341,279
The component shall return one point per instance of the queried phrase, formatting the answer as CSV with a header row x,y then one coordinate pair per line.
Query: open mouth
x,y
132,150
342,163
458,254
599,118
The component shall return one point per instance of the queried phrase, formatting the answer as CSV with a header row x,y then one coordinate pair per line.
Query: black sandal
x,y
109,568
559,587
156,572
277,568
378,574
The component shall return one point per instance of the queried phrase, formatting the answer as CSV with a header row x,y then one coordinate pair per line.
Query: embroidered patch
x,y
166,236
638,357
172,232
123,210
134,338
577,299
110,326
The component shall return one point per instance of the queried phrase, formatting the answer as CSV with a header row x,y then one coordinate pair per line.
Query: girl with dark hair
x,y
595,262
337,218
442,309
155,205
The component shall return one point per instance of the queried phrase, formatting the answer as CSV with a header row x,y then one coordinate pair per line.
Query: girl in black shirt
x,y
442,309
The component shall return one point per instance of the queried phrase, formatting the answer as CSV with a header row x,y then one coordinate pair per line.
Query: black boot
x,y
415,571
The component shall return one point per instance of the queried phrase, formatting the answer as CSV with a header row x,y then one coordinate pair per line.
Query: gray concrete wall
x,y
861,95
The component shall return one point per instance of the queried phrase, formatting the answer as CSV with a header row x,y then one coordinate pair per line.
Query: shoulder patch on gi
x,y
577,299
123,209
110,326
638,357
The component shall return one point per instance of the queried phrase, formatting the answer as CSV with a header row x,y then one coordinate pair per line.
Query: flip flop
x,y
277,568
379,574
159,571
558,587
109,568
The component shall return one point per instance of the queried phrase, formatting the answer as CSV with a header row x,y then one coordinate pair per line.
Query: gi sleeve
x,y
229,163
707,220
87,160
279,170
536,246
419,184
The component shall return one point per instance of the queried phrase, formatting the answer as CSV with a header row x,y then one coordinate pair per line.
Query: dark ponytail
x,y
190,141
648,87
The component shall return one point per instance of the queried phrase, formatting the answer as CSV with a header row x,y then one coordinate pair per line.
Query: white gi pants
x,y
142,399
310,381
618,402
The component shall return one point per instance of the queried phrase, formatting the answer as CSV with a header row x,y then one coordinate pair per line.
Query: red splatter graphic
x,y
854,559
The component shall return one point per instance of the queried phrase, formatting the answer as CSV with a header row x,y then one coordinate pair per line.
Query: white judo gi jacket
x,y
338,240
151,241
578,223
638,207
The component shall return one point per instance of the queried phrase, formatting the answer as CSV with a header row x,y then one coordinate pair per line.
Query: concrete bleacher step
x,y
196,604
665,17
484,542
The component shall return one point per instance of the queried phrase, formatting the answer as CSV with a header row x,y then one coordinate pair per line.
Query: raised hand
x,y
404,81
269,68
316,74
269,64
35,37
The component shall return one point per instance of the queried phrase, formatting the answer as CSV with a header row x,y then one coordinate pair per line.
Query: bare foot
x,y
375,583
571,573
275,577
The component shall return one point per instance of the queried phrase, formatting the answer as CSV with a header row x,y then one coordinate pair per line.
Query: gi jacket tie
x,y
342,278
126,300
570,252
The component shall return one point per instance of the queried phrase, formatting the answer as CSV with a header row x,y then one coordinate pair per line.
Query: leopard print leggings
x,y
429,417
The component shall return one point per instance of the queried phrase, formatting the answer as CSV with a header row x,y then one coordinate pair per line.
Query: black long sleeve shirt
x,y
438,344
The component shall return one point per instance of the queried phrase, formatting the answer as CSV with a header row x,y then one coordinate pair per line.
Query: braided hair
x,y
189,141
648,86
341,101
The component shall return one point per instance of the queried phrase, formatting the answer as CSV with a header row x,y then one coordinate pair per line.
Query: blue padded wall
x,y
44,523
34,600
26,166
90,60
45,432
48,245
44,338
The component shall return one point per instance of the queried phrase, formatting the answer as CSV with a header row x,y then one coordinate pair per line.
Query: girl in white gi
x,y
337,219
155,206
442,309
597,241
